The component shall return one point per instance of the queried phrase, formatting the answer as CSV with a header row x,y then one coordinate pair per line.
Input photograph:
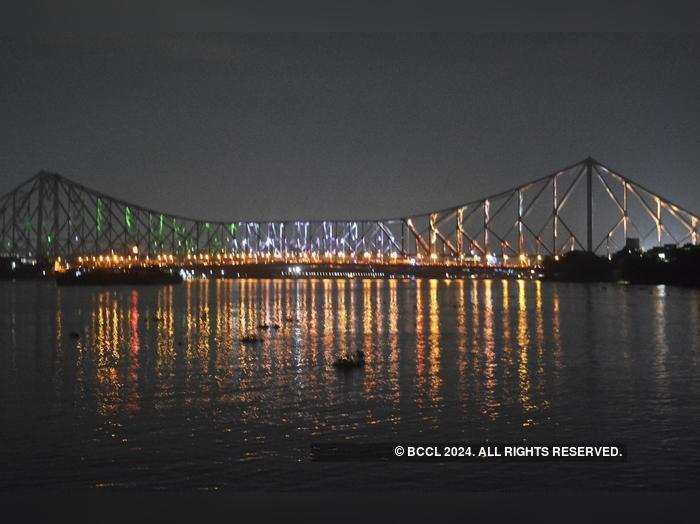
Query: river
x,y
150,388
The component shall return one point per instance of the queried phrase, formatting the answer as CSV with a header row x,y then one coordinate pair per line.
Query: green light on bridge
x,y
127,217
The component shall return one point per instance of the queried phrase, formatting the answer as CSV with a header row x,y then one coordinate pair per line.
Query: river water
x,y
158,392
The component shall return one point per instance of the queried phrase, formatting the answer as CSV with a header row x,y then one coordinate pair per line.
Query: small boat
x,y
355,360
250,339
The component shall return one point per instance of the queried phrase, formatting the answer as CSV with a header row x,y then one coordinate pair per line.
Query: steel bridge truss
x,y
584,206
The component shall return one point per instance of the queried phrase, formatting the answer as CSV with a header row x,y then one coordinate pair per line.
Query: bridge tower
x,y
589,204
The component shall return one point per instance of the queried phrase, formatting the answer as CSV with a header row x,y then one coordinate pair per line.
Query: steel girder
x,y
583,206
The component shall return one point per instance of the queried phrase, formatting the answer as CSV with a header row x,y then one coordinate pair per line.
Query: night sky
x,y
268,126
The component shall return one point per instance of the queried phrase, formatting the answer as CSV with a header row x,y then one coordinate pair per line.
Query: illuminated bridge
x,y
585,206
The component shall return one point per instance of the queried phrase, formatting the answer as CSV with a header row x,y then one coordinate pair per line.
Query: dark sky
x,y
345,125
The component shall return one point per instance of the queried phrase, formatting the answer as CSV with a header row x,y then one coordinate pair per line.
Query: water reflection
x,y
442,357
491,402
435,380
660,338
462,341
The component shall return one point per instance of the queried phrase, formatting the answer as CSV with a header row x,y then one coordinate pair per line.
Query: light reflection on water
x,y
159,391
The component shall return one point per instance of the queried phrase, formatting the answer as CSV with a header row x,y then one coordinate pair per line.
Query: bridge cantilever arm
x,y
566,195
418,238
389,235
646,190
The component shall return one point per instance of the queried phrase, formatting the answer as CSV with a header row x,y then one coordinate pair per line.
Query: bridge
x,y
585,206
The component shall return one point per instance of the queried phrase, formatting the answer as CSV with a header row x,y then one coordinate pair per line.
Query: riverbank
x,y
123,276
18,268
86,274
669,265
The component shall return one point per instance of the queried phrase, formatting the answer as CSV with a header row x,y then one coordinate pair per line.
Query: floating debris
x,y
265,326
355,360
